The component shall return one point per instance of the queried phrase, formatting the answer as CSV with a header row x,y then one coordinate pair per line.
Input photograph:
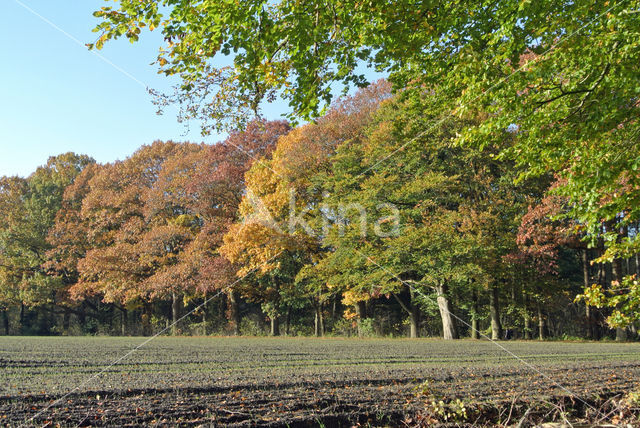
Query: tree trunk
x,y
21,318
540,322
123,321
449,330
176,303
5,321
234,312
475,329
507,317
527,326
616,269
146,319
66,320
203,308
334,308
287,322
275,326
50,315
412,310
586,280
494,309
361,313
527,317
633,330
414,319
602,276
81,315
319,321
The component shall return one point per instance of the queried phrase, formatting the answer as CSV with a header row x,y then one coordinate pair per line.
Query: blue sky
x,y
56,96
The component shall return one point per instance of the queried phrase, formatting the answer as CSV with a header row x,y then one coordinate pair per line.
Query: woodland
x,y
490,187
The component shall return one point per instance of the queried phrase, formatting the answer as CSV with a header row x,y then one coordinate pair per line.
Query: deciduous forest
x,y
488,186
368,221
442,228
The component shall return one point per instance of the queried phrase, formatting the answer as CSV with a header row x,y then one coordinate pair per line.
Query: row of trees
x,y
550,85
372,219
77,234
497,183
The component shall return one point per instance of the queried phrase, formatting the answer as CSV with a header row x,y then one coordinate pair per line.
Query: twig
x,y
513,402
524,417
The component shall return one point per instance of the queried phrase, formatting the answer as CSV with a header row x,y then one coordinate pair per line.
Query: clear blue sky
x,y
56,96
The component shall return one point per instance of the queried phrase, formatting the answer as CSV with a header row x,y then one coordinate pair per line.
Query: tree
x,y
420,190
217,184
68,239
12,194
30,207
68,236
172,224
132,236
273,239
273,51
259,245
561,73
623,298
454,210
541,236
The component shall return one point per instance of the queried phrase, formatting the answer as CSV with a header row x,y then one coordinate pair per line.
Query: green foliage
x,y
367,328
623,298
249,327
29,208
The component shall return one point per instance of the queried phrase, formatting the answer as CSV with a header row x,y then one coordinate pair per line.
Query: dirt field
x,y
302,382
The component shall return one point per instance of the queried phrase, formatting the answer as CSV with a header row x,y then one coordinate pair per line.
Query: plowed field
x,y
297,382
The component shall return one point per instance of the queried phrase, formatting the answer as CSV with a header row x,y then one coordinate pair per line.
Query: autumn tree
x,y
68,238
127,249
426,219
385,261
217,185
267,254
13,191
31,206
172,224
540,239
273,239
147,228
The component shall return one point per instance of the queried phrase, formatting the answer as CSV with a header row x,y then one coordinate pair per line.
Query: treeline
x,y
373,220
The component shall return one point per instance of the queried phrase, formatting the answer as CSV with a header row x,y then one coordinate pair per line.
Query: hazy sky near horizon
x,y
56,96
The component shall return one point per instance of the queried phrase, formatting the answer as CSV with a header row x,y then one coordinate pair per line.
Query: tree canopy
x,y
559,76
370,220
498,164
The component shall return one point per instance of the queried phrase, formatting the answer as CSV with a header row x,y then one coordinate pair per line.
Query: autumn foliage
x,y
368,215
